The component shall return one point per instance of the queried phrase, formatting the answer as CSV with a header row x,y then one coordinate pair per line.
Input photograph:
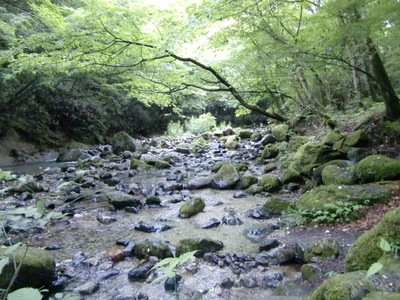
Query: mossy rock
x,y
122,141
232,142
202,245
382,296
270,167
291,175
37,269
160,164
333,174
378,167
225,178
365,251
322,248
270,151
356,139
342,163
310,272
245,134
220,164
268,139
121,200
153,247
280,132
270,183
348,286
73,155
77,145
277,205
331,138
139,164
391,264
310,156
192,207
256,137
254,189
246,181
323,197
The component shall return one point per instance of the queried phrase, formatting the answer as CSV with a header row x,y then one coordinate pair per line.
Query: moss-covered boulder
x,y
365,251
331,138
226,177
348,286
256,137
280,132
382,296
270,183
161,164
310,272
333,174
153,247
122,141
378,167
245,134
232,142
310,156
291,175
322,248
270,151
324,198
73,155
220,164
139,164
246,181
121,200
270,167
357,138
202,245
277,205
268,139
37,268
254,189
191,207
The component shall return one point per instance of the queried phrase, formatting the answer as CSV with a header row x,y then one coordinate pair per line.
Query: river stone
x,y
220,164
202,245
225,178
122,141
268,139
277,205
245,134
88,288
191,207
256,137
356,139
121,200
151,227
171,283
331,138
268,245
291,175
270,167
323,248
258,234
37,269
153,247
270,183
213,222
246,181
378,167
333,174
254,189
73,155
310,272
231,220
231,142
28,184
199,183
280,132
141,272
322,197
310,156
258,213
270,151
274,257
139,164
382,296
365,251
348,286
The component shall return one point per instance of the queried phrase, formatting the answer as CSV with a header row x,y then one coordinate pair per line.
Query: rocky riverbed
x,y
109,217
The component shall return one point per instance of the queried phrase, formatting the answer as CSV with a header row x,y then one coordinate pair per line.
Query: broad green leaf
x,y
3,262
12,248
384,245
40,208
25,294
374,268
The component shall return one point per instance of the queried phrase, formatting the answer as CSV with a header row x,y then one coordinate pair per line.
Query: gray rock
x,y
151,227
199,183
225,178
121,200
153,247
73,155
275,256
191,207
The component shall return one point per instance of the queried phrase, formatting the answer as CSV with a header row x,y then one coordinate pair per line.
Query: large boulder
x,y
191,207
202,245
325,198
331,138
320,249
378,167
310,156
333,174
37,269
280,132
277,205
232,142
348,286
73,155
226,177
270,183
357,138
122,141
365,251
153,247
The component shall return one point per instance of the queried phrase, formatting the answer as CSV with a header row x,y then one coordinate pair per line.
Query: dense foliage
x,y
90,68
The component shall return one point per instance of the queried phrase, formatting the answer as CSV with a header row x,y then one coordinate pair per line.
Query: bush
x,y
175,129
203,123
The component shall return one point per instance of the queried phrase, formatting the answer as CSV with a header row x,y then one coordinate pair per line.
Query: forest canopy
x,y
98,67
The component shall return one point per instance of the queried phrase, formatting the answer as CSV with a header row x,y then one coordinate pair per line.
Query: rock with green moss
x,y
270,151
268,139
310,272
191,207
378,167
382,296
220,164
160,164
348,286
325,198
246,181
256,137
357,138
310,156
280,132
254,189
121,200
270,167
245,134
77,145
322,248
333,174
365,251
232,142
331,138
291,175
226,177
122,141
153,247
270,183
73,155
37,269
202,245
139,164
277,205
390,264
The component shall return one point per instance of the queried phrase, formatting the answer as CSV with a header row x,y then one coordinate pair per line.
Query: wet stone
x,y
52,247
171,283
259,233
231,220
129,249
258,213
132,209
213,222
240,195
151,227
141,272
104,219
88,288
227,283
269,244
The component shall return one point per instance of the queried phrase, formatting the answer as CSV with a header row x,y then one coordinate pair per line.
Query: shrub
x,y
203,123
175,129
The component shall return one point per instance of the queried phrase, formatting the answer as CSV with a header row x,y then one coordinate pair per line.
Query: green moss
x,y
378,167
333,174
291,175
382,296
331,138
270,183
202,245
277,205
191,207
356,139
153,247
139,164
280,132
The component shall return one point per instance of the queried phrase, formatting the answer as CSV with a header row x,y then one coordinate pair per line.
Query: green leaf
x,y
374,268
40,208
3,262
12,248
25,293
186,256
384,245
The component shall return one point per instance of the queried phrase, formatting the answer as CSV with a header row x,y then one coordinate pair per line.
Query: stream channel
x,y
88,258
